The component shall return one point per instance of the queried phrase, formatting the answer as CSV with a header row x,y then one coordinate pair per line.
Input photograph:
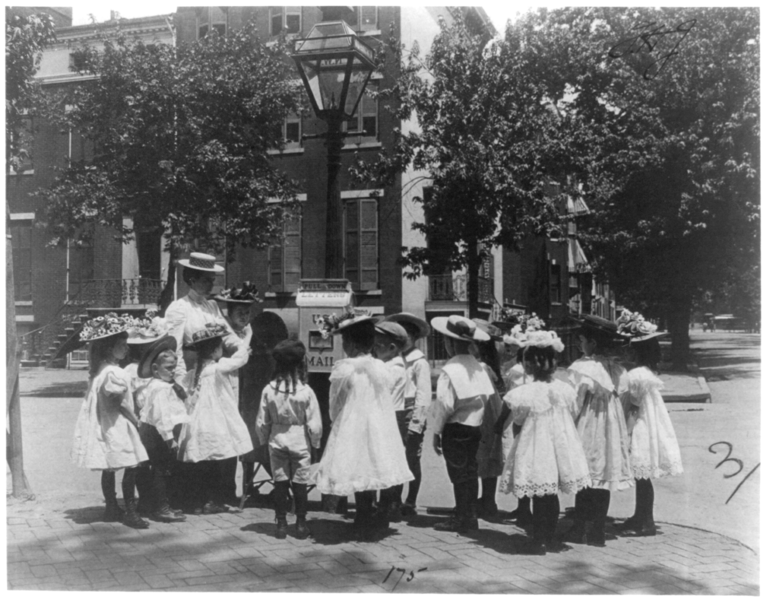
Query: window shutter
x,y
292,255
369,246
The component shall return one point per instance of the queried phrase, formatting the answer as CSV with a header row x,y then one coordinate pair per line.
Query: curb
x,y
704,396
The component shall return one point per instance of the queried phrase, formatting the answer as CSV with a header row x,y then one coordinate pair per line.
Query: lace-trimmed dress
x,y
547,456
364,450
104,439
654,450
600,383
215,430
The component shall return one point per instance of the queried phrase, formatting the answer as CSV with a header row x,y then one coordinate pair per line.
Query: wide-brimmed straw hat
x,y
211,331
147,329
247,294
599,326
405,317
201,262
335,324
495,333
166,342
459,328
105,326
636,328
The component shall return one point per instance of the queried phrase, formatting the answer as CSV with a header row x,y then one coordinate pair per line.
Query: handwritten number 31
x,y
734,460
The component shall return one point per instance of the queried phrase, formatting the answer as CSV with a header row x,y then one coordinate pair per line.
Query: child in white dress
x,y
654,450
215,430
106,434
547,455
290,423
364,452
599,382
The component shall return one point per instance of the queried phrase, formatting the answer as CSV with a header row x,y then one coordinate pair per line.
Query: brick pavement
x,y
73,549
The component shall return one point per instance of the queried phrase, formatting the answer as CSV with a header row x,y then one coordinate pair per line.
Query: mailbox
x,y
317,297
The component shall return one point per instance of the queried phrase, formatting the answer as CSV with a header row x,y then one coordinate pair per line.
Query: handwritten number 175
x,y
738,462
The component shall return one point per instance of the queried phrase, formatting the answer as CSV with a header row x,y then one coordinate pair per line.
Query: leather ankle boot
x,y
132,519
302,530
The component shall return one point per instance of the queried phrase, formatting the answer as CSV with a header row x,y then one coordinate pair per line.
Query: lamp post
x,y
332,62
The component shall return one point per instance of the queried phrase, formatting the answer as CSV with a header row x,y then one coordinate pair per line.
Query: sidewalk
x,y
75,550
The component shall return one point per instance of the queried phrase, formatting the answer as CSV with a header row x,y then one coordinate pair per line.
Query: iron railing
x,y
41,343
454,288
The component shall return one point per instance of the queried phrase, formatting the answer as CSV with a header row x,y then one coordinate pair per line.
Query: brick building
x,y
543,277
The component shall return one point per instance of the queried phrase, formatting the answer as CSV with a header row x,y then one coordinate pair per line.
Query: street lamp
x,y
332,61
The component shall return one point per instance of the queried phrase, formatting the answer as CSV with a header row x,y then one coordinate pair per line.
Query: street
x,y
703,515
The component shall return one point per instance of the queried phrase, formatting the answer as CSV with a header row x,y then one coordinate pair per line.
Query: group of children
x,y
602,431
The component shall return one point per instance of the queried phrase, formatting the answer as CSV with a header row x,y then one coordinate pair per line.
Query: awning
x,y
577,262
576,206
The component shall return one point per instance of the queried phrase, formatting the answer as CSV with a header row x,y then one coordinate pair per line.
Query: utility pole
x,y
14,450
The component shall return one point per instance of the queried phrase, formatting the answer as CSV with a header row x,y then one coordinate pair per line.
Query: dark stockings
x,y
108,484
545,517
644,501
488,489
129,484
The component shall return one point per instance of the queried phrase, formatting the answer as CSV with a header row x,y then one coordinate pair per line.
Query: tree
x,y
25,37
481,128
674,194
180,139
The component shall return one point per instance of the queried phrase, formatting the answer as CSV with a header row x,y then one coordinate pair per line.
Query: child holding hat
x,y
359,457
106,434
654,450
162,415
290,423
417,399
238,301
215,430
462,391
546,456
390,338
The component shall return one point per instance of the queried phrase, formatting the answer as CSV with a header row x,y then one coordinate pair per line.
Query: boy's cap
x,y
152,351
289,352
392,330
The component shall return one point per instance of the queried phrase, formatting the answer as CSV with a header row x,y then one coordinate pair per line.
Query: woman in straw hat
x,y
106,434
599,382
191,313
364,452
547,455
654,450
462,391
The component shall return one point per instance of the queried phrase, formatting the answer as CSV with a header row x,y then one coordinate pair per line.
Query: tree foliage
x,y
180,139
651,114
25,38
675,188
482,139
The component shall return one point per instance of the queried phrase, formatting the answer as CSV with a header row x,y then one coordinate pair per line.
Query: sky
x,y
498,11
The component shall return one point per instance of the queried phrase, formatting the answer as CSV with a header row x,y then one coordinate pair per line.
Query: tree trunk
x,y
473,266
166,296
679,315
14,448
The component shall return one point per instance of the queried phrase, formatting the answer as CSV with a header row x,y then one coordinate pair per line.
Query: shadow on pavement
x,y
85,516
59,390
